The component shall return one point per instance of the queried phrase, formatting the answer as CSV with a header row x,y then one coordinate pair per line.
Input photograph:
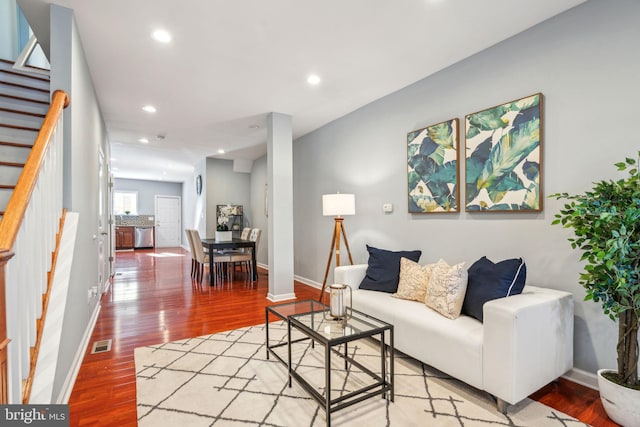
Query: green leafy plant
x,y
606,225
224,214
222,224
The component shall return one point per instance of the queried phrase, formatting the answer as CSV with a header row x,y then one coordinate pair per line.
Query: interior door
x,y
168,221
103,224
112,228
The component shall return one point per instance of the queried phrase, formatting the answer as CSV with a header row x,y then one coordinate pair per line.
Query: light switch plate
x,y
387,207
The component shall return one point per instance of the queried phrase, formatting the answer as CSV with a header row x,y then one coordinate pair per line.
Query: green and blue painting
x,y
432,168
503,157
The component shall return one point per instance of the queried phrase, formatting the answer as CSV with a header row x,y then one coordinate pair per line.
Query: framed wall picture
x,y
503,157
432,168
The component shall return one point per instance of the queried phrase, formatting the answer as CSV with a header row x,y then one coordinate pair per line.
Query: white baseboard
x,y
581,377
283,297
308,282
67,387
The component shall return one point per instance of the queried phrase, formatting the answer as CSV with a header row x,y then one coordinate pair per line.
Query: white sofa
x,y
525,341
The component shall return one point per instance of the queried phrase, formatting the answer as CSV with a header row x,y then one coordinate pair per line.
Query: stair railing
x,y
27,241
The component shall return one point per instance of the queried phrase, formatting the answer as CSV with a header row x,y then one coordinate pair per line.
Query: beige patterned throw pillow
x,y
414,279
446,289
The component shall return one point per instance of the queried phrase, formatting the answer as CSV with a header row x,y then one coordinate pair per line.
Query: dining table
x,y
235,243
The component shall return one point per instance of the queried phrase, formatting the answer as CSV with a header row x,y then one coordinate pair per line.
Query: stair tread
x,y
25,87
5,125
16,144
25,75
5,62
26,113
22,98
23,102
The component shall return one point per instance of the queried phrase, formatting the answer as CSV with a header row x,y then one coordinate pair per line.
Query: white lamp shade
x,y
338,204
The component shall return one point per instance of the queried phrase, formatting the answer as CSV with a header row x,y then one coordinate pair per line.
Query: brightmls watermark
x,y
34,415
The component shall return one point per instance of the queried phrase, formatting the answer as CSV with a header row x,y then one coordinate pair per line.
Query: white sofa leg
x,y
502,406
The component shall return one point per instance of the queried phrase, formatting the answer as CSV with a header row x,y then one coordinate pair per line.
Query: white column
x,y
280,201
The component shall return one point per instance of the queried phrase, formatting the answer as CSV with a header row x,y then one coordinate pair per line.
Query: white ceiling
x,y
231,62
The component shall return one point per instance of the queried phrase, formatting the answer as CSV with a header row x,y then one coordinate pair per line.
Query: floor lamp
x,y
337,205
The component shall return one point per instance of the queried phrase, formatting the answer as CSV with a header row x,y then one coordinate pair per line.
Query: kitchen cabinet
x,y
124,237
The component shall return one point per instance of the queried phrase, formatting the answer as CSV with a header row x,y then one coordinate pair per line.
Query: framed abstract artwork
x,y
503,157
432,168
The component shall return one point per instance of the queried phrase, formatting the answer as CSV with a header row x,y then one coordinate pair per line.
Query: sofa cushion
x,y
383,270
447,286
414,279
489,281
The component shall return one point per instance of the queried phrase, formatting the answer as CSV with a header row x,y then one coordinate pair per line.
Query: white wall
x,y
84,134
585,63
8,30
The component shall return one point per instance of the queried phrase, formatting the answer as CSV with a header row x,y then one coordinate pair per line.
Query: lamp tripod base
x,y
338,230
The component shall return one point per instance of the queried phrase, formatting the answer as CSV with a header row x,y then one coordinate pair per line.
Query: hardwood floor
x,y
152,299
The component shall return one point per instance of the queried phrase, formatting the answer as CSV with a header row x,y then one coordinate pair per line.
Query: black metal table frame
x,y
379,386
272,309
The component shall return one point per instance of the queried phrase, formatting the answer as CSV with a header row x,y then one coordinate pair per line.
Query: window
x,y
125,203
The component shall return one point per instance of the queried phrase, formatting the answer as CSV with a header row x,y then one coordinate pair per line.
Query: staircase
x,y
31,188
24,101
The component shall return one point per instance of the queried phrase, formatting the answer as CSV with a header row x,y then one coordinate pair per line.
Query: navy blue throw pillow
x,y
489,281
383,271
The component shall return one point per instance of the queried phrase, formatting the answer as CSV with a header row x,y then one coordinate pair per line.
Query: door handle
x,y
104,233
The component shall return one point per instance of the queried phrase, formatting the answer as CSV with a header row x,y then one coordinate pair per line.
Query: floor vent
x,y
101,346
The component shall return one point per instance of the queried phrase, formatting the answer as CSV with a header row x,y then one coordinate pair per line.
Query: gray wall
x,y
147,191
585,63
224,186
84,136
258,217
220,186
8,30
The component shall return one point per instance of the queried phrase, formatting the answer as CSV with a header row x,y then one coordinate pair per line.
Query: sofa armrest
x,y
350,275
528,342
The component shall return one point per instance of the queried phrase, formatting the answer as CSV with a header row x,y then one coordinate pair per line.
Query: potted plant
x,y
222,229
606,227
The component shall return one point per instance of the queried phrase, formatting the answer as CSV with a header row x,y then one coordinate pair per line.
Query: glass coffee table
x,y
311,320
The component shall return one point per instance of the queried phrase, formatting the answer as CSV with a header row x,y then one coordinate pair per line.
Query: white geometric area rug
x,y
225,380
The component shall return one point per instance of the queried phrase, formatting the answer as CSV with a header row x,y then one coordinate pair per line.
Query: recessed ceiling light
x,y
162,36
220,151
143,140
313,79
149,108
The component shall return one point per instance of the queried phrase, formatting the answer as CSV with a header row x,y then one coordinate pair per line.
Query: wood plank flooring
x,y
152,299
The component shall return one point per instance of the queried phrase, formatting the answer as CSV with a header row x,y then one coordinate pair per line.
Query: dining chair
x,y
246,257
245,233
192,251
203,259
244,236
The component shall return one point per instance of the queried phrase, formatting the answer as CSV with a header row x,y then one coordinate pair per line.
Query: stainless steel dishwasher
x,y
144,237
